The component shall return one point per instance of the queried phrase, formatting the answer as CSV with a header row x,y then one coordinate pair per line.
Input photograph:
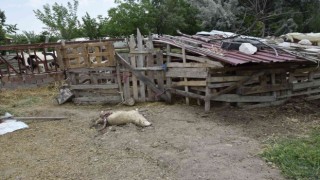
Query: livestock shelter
x,y
208,68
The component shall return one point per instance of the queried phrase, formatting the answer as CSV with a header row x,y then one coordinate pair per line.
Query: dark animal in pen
x,y
32,62
54,62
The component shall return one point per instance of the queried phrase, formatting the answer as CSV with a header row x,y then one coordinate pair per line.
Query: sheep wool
x,y
124,117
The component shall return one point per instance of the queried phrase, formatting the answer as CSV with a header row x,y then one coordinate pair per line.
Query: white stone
x,y
248,48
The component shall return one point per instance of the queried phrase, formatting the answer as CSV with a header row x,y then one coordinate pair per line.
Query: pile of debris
x,y
238,49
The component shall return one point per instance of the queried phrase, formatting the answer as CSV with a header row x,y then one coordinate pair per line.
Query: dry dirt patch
x,y
183,143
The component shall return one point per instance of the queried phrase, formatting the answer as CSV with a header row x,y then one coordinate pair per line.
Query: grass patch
x,y
298,158
12,100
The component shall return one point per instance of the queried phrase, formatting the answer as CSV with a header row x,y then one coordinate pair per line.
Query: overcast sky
x,y
20,12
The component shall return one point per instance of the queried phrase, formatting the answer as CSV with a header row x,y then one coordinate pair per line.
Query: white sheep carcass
x,y
123,117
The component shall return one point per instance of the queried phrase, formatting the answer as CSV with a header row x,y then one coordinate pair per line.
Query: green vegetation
x,y
249,17
298,158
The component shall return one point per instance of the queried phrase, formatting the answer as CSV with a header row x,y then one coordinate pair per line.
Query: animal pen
x,y
205,68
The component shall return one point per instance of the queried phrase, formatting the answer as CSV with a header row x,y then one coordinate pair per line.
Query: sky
x,y
20,12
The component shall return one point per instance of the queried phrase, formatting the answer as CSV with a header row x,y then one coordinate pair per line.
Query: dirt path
x,y
183,143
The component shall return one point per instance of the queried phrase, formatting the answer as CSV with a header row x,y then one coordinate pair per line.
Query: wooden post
x,y
207,102
150,63
140,63
169,81
185,79
273,82
132,45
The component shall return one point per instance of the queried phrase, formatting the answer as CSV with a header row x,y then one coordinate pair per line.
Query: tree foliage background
x,y
250,17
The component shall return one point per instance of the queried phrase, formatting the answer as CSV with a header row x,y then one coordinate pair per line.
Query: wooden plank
x,y
189,83
186,94
140,63
311,98
266,104
305,85
226,78
215,64
91,86
187,72
243,99
142,77
264,88
94,100
220,85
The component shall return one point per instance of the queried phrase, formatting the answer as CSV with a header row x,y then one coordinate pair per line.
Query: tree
x,y
126,18
91,27
2,21
157,16
219,15
62,20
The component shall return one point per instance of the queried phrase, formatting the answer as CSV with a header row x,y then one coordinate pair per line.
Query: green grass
x,y
298,158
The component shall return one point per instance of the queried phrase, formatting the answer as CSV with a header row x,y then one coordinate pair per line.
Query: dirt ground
x,y
183,143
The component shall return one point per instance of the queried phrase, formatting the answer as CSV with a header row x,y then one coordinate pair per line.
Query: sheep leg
x,y
105,123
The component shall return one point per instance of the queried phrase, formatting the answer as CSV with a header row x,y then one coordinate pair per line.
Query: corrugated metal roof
x,y
201,46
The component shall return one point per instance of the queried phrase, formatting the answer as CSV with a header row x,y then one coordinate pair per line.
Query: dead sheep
x,y
109,118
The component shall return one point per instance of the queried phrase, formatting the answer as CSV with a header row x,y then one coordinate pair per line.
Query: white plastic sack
x,y
248,48
11,125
